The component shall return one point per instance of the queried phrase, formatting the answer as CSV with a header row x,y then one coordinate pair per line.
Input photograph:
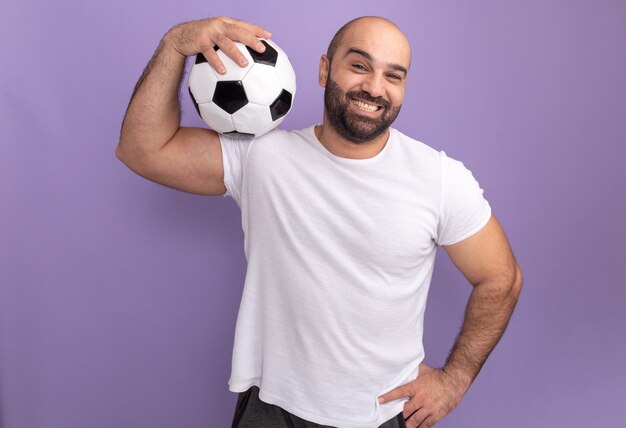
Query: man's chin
x,y
364,136
364,130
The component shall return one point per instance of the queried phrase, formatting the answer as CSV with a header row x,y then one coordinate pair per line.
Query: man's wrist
x,y
459,378
168,45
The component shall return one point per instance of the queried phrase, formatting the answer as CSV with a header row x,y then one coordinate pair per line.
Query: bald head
x,y
375,24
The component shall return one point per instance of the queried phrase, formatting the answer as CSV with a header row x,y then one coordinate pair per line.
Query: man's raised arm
x,y
152,143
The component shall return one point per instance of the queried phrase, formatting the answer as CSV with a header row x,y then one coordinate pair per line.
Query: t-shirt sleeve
x,y
464,210
234,153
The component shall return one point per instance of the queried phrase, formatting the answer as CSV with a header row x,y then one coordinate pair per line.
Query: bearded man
x,y
342,221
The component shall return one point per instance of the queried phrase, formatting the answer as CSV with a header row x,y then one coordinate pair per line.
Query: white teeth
x,y
363,106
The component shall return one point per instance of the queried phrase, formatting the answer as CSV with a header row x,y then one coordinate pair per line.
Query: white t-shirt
x,y
340,256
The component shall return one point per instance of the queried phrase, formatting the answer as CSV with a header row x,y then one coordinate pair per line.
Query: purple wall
x,y
118,297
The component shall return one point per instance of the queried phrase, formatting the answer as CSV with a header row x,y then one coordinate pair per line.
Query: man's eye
x,y
395,77
358,66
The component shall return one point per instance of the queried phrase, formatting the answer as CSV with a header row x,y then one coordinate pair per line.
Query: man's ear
x,y
324,70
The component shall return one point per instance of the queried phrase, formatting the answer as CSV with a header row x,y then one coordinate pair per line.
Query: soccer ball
x,y
249,100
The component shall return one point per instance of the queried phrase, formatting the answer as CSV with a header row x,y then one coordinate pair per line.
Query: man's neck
x,y
340,146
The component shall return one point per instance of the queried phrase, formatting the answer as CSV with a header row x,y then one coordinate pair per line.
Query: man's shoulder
x,y
275,135
415,147
282,134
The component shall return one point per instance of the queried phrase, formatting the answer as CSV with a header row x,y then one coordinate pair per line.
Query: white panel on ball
x,y
262,84
285,70
252,118
216,118
286,73
271,126
233,70
202,82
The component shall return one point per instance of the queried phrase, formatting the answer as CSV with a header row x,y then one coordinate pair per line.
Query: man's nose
x,y
374,85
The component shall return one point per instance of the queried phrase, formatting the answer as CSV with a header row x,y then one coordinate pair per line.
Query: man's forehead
x,y
379,38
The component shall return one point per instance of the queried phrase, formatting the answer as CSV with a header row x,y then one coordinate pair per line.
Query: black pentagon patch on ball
x,y
230,95
268,57
281,105
195,104
247,134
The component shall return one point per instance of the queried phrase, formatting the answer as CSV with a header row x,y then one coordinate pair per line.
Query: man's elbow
x,y
516,285
506,286
118,152
122,156
132,156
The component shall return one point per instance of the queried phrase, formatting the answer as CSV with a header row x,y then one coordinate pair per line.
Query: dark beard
x,y
353,127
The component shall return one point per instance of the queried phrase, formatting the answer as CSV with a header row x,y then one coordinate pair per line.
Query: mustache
x,y
367,97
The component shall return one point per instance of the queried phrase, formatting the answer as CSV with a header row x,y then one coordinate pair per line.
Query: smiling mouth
x,y
366,107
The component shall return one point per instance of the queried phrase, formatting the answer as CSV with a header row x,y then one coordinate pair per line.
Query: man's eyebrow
x,y
358,52
366,55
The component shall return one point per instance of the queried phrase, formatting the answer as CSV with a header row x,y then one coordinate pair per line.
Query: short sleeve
x,y
464,210
234,153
